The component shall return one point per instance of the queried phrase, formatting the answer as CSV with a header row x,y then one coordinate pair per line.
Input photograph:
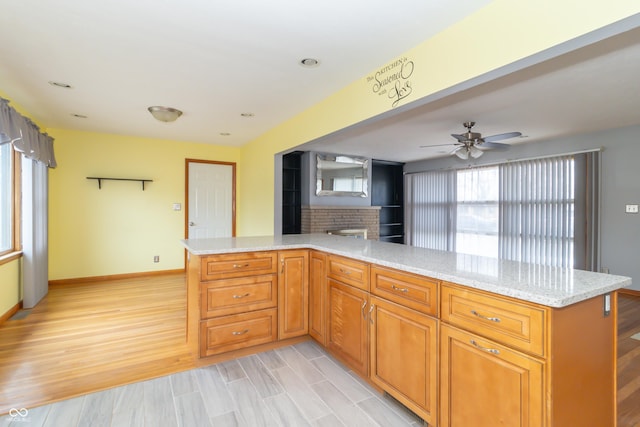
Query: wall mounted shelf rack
x,y
102,178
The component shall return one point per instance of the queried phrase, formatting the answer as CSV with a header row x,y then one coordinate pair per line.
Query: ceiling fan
x,y
470,143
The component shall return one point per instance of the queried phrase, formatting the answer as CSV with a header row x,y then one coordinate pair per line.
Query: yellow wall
x,y
499,34
10,289
119,229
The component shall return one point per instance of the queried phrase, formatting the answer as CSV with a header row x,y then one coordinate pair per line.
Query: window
x,y
477,211
521,211
6,199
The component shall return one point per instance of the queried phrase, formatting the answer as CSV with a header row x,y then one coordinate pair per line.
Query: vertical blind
x,y
537,211
547,210
430,216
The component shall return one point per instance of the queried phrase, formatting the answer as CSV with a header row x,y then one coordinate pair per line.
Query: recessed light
x,y
79,116
225,134
60,84
309,62
247,114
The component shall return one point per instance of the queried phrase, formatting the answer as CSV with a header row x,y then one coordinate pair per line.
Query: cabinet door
x,y
403,348
348,325
317,295
484,384
293,294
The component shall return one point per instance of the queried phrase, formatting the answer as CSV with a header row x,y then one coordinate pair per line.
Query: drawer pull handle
x,y
240,265
241,296
395,288
371,311
488,350
343,271
240,333
364,315
491,319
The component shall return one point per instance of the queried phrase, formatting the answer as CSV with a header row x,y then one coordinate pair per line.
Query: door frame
x,y
186,192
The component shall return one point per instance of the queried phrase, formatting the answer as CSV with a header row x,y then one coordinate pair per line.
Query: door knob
x,y
191,223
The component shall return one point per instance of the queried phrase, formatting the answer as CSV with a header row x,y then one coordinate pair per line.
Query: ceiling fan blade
x,y
501,136
494,146
460,138
440,145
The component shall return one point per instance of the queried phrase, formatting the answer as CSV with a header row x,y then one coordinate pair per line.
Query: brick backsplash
x,y
320,219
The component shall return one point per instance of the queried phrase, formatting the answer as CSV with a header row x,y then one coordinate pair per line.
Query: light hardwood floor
x,y
84,338
87,337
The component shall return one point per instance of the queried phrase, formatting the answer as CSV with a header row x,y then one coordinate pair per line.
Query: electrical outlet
x,y
156,258
631,209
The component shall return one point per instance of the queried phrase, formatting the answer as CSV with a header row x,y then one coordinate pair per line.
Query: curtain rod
x,y
571,153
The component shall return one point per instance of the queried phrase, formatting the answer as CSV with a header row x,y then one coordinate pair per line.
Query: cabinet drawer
x,y
238,265
230,296
409,290
238,331
518,325
354,273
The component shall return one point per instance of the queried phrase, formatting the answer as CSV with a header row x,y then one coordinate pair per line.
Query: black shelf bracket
x,y
102,178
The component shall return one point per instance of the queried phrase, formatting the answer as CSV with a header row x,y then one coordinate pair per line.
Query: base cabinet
x,y
484,384
347,332
403,348
317,296
293,294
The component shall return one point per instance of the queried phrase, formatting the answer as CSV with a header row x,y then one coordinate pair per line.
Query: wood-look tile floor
x,y
299,385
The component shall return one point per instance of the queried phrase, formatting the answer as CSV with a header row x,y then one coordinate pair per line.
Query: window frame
x,y
15,251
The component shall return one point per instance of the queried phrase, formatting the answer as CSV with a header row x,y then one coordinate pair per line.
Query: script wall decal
x,y
393,80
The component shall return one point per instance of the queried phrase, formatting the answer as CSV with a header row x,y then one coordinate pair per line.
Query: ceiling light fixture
x,y
468,150
61,85
309,62
165,114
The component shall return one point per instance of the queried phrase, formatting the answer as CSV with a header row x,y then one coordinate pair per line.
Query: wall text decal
x,y
393,80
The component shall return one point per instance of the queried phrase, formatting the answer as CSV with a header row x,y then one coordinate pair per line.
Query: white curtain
x,y
430,214
37,157
537,202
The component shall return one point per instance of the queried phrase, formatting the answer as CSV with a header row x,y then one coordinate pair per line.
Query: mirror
x,y
341,175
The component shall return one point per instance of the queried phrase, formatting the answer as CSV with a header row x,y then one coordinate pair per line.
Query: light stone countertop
x,y
549,286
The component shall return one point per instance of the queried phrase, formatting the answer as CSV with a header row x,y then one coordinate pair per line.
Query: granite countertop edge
x,y
548,286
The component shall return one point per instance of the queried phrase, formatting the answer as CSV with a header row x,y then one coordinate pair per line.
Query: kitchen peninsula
x,y
458,339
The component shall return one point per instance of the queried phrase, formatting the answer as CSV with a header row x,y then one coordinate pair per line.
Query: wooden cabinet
x,y
518,325
317,295
293,293
232,301
410,290
485,384
226,333
454,355
349,271
510,362
403,349
347,330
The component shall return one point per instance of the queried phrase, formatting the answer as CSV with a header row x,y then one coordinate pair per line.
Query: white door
x,y
210,206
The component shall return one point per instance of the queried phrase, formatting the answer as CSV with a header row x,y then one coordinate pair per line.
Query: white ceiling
x,y
217,59
212,59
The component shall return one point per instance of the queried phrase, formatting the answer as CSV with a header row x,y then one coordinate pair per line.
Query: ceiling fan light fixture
x,y
462,153
475,152
165,114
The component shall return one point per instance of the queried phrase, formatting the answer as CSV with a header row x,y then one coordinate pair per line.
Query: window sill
x,y
11,256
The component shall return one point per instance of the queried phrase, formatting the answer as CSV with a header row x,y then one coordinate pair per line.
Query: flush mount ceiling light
x,y
165,114
60,84
309,62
